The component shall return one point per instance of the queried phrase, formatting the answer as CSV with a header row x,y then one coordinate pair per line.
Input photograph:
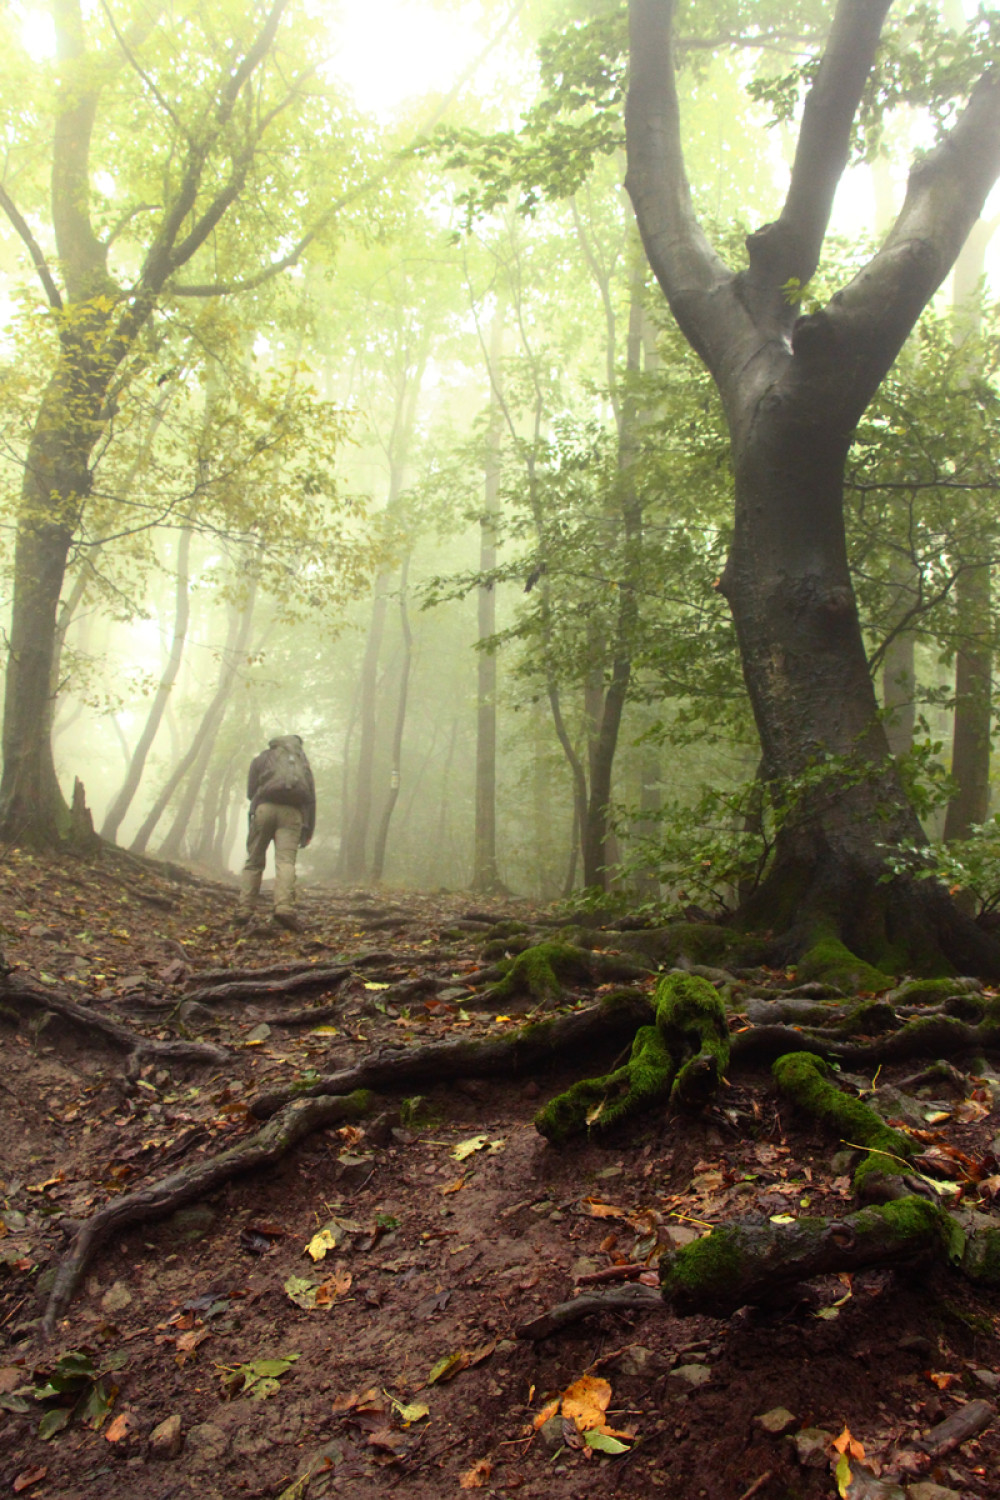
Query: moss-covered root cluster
x,y
683,1056
541,972
807,1080
741,1263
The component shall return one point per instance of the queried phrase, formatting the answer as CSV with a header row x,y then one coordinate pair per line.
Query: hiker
x,y
283,808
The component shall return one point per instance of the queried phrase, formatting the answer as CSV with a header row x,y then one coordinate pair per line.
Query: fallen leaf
x,y
448,1367
586,1401
598,1210
452,1187
604,1442
469,1147
27,1477
120,1427
478,1476
548,1410
846,1444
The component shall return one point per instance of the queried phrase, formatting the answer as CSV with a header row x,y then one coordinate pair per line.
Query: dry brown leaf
x,y
119,1428
26,1477
599,1210
478,1476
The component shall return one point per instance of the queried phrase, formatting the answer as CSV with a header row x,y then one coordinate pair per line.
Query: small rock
x,y
351,1171
250,1443
639,1360
865,1485
195,1015
925,1490
680,1234
551,1434
812,1445
688,1377
259,1034
116,1298
777,1421
193,1223
166,1440
989,1378
206,1445
842,1163
584,1265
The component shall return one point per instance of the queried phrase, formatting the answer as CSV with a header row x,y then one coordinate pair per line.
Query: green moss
x,y
691,1018
805,1079
925,991
600,1103
868,1019
501,947
829,961
704,1269
698,942
981,1259
539,972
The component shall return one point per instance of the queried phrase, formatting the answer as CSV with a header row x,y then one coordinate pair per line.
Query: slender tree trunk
x,y
485,875
356,838
239,628
182,614
395,775
971,737
241,621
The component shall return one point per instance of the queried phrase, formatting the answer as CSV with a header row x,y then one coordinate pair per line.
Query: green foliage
x,y
968,865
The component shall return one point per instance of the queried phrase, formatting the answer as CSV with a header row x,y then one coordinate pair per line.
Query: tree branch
x,y
791,246
870,320
683,261
34,249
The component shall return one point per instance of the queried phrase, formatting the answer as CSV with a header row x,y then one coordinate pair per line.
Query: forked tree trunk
x,y
794,388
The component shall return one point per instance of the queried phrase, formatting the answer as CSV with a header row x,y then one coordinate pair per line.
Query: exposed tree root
x,y
226,992
741,1263
140,1050
611,1021
267,1146
683,1057
645,1299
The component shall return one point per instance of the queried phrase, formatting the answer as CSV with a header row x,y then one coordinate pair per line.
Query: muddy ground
x,y
402,1361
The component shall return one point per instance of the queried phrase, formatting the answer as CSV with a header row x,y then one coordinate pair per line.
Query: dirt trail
x,y
394,1362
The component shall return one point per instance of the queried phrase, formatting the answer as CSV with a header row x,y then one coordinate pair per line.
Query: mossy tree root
x,y
611,1023
933,1035
158,1199
807,1080
542,971
741,1263
682,1057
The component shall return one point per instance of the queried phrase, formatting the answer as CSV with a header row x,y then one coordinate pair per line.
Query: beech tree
x,y
159,158
794,385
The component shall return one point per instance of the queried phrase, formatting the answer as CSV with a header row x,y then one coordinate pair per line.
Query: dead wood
x,y
536,1045
970,1420
739,1263
640,1298
262,1149
139,1049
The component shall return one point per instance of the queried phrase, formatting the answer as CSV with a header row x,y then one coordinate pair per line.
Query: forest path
x,y
450,1225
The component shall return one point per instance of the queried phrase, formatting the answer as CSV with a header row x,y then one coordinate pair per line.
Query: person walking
x,y
283,811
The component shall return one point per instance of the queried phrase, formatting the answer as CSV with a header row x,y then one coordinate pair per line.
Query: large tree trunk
x,y
794,388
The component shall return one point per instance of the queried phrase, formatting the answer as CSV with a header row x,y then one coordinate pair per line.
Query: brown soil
x,y
440,1256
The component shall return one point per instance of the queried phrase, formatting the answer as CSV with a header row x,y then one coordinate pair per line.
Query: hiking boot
x,y
288,920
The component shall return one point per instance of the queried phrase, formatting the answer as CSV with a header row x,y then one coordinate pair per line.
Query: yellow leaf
x,y
469,1147
548,1410
843,1476
585,1401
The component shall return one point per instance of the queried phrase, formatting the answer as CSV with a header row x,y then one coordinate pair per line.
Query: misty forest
x,y
578,422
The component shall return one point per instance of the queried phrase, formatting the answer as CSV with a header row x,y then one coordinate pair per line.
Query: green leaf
x,y
53,1422
594,1438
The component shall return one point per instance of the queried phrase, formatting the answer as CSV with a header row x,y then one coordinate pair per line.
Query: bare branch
x,y
792,246
34,249
683,261
874,314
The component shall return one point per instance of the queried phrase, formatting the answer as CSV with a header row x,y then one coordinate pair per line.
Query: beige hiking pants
x,y
283,825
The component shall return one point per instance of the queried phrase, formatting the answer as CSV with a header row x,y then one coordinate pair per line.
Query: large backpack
x,y
284,776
